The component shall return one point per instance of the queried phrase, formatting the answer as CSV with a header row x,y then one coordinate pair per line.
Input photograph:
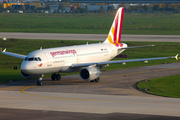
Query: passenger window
x,y
35,59
39,59
30,59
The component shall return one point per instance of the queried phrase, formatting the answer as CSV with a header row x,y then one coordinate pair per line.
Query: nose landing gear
x,y
39,82
53,77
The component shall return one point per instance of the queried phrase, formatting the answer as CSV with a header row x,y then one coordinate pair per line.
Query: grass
x,y
136,23
26,46
163,86
7,75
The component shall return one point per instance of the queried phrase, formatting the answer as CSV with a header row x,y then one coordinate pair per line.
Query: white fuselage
x,y
54,60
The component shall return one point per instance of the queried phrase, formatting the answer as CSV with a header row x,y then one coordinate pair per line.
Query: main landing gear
x,y
95,80
55,77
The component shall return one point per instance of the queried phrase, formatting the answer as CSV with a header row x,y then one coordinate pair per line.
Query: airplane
x,y
89,59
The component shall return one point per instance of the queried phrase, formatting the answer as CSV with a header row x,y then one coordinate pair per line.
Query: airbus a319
x,y
89,59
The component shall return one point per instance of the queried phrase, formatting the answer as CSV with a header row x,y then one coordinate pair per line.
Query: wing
x,y
14,54
121,61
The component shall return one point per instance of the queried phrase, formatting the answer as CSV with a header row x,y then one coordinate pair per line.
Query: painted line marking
x,y
61,98
81,99
51,97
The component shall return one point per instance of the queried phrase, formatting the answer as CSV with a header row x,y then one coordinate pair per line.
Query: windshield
x,y
32,59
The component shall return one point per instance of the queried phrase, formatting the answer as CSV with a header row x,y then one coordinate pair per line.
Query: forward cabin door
x,y
49,59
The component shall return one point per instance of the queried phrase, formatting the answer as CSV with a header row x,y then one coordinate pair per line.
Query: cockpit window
x,y
30,59
35,59
39,58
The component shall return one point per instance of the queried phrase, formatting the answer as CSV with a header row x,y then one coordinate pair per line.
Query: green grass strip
x,y
133,23
163,86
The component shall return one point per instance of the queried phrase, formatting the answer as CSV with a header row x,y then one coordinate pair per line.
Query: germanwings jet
x,y
89,59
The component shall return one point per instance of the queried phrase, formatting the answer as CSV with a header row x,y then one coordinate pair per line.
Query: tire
x,y
39,83
58,77
53,77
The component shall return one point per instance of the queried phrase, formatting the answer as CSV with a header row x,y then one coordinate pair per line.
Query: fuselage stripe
x,y
112,30
122,14
110,39
116,27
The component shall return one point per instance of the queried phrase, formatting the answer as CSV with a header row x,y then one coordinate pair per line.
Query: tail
x,y
114,35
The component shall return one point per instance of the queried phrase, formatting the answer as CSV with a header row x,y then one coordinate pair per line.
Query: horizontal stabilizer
x,y
138,46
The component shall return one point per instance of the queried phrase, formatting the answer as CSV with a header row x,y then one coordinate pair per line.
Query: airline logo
x,y
114,35
40,65
63,52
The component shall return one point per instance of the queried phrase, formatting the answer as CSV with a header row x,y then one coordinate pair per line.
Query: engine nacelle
x,y
25,75
90,73
29,76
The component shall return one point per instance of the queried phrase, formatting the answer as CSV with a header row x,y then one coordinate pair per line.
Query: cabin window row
x,y
63,57
92,53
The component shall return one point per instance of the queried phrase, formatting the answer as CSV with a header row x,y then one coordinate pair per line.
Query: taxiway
x,y
114,96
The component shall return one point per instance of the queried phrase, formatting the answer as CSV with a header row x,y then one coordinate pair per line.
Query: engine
x,y
25,75
90,73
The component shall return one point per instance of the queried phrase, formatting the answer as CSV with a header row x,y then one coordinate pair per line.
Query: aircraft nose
x,y
26,67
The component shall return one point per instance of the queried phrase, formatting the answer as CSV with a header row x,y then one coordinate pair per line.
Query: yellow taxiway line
x,y
80,99
51,97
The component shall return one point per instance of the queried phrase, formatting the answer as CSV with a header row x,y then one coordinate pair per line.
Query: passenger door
x,y
49,59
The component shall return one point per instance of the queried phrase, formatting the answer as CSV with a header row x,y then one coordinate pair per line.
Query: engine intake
x,y
30,76
24,74
90,73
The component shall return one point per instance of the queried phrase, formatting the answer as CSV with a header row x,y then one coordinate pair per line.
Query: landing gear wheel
x,y
58,77
53,77
92,81
39,83
97,79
